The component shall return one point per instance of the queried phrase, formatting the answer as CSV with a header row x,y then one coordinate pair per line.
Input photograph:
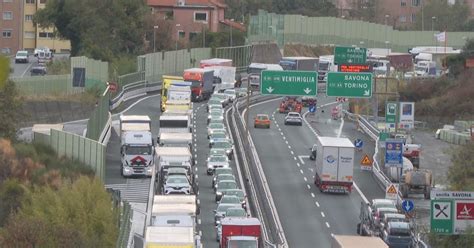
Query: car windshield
x,y
262,117
293,115
177,180
219,96
218,159
216,126
222,208
225,177
217,152
230,199
22,54
238,193
223,144
227,185
235,212
219,135
229,92
176,171
399,232
223,171
138,150
216,114
214,102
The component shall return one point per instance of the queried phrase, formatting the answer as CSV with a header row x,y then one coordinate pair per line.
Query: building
x,y
10,26
399,13
35,37
190,17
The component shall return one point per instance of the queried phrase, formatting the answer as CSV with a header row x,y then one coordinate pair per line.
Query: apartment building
x,y
10,26
34,36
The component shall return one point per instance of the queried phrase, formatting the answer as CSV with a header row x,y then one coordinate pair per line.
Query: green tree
x,y
4,70
461,173
78,214
11,109
12,193
98,29
448,17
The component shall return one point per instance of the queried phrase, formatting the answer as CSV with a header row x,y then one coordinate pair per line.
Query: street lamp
x,y
433,19
154,37
386,32
177,35
204,34
232,20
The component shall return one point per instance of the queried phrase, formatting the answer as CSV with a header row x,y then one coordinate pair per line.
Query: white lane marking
x,y
307,185
312,195
289,147
322,214
305,179
295,158
360,193
286,141
298,164
301,158
327,224
301,171
199,221
317,204
332,235
27,69
196,168
311,169
281,133
284,137
292,153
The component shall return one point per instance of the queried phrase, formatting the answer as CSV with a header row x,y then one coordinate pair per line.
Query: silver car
x,y
226,145
215,127
221,210
222,177
222,186
293,118
177,184
231,94
215,114
217,161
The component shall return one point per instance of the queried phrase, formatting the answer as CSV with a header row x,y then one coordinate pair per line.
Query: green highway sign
x,y
350,55
390,112
348,84
442,219
289,83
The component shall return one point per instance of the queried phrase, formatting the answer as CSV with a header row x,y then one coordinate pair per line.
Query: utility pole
x,y
232,20
422,15
154,37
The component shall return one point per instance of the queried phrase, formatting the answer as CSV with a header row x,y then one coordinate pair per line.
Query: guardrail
x,y
133,90
382,179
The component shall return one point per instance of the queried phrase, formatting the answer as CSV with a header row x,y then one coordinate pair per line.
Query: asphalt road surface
x,y
23,69
308,216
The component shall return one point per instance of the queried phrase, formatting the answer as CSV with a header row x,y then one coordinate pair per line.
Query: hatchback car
x,y
177,184
231,94
221,210
226,145
22,57
398,235
38,71
215,114
261,120
224,185
217,136
214,162
222,177
215,127
237,192
293,118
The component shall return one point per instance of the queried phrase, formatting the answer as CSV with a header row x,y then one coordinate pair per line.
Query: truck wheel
x,y
427,193
358,228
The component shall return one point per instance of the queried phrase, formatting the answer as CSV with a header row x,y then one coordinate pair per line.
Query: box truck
x,y
202,83
349,241
334,164
240,232
299,63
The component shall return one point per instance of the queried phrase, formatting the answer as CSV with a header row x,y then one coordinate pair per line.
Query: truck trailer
x,y
179,97
240,232
224,77
215,62
255,70
334,165
202,83
174,124
167,82
349,241
299,63
171,237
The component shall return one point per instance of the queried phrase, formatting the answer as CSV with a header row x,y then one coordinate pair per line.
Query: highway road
x,y
23,70
308,216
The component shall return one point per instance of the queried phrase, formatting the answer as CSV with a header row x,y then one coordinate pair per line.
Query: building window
x,y
43,1
28,18
403,18
7,33
7,15
413,17
6,50
7,1
29,35
169,15
30,1
46,35
200,17
403,3
415,3
181,34
193,36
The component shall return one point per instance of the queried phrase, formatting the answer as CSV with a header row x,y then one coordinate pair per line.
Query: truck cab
x,y
178,97
254,71
201,83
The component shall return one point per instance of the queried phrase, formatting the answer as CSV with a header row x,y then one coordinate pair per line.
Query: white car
x,y
22,57
177,184
215,127
214,162
222,97
293,118
215,114
216,136
231,93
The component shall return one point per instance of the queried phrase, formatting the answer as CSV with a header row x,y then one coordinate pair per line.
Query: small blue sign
x,y
394,153
359,143
312,108
408,205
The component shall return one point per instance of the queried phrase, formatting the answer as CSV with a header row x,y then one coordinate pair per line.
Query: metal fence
x,y
287,29
131,78
73,146
241,55
99,118
125,225
96,74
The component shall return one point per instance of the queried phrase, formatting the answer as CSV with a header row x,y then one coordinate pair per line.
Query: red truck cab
x,y
201,79
241,232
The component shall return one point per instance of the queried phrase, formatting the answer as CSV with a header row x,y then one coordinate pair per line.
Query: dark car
x,y
38,71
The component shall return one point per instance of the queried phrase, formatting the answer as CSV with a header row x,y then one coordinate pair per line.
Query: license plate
x,y
338,189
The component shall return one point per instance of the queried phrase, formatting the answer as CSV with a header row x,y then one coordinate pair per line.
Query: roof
x,y
234,24
335,142
298,58
198,70
135,118
174,199
46,128
360,242
173,235
174,3
182,117
175,208
172,151
184,136
240,221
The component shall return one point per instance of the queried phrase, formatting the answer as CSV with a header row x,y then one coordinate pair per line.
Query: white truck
x,y
174,123
334,164
178,97
255,70
176,139
349,241
326,64
165,236
224,77
136,150
167,157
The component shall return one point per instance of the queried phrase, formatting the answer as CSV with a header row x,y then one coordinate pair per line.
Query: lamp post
x,y
177,35
232,20
176,49
204,34
386,32
154,37
433,19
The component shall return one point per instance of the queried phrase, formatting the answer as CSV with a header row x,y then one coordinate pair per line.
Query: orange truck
x,y
202,80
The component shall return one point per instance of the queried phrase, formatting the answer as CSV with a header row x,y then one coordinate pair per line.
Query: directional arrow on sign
x,y
307,90
270,89
367,93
